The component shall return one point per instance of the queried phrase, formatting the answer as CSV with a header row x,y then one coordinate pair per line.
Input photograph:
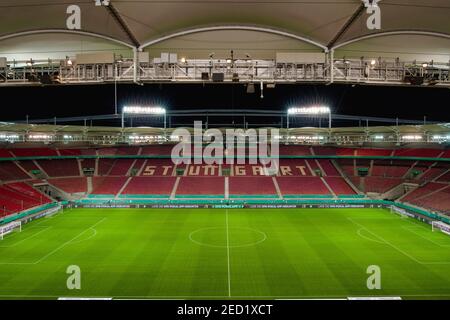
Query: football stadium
x,y
221,150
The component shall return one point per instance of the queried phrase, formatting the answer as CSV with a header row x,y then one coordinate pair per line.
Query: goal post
x,y
440,226
10,227
399,211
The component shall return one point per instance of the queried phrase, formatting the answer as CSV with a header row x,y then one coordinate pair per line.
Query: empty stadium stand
x,y
19,196
70,185
113,176
60,168
257,186
107,185
194,186
145,186
294,186
339,186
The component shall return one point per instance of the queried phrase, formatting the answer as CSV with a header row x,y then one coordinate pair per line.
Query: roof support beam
x,y
393,33
64,31
234,27
346,26
116,15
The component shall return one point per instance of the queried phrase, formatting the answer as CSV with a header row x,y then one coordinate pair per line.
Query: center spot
x,y
237,237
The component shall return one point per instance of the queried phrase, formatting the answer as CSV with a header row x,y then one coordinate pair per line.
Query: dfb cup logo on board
x,y
374,20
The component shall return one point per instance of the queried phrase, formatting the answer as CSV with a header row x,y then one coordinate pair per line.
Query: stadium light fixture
x,y
313,110
143,110
310,111
373,62
412,137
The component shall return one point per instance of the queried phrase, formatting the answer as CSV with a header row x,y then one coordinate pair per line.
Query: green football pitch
x,y
225,253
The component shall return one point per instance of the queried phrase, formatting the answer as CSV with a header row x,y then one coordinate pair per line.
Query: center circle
x,y
232,237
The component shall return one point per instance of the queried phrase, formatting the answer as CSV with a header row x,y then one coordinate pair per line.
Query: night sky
x,y
380,101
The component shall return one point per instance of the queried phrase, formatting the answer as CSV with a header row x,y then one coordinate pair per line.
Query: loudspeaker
x,y
218,77
205,76
251,88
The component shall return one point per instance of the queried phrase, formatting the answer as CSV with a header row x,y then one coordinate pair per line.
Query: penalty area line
x,y
68,242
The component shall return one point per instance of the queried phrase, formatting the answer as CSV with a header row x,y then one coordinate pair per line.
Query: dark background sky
x,y
381,101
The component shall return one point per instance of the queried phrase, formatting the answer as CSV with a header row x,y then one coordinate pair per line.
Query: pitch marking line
x,y
221,297
30,237
365,237
68,242
263,234
410,229
396,248
55,250
228,254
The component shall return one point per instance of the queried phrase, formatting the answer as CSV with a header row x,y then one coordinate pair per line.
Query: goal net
x,y
401,212
440,226
10,227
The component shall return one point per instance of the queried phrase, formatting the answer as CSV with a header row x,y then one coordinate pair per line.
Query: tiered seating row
x,y
70,185
16,197
60,168
437,201
162,186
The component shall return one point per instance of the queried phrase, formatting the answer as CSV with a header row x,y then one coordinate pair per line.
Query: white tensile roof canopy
x,y
410,29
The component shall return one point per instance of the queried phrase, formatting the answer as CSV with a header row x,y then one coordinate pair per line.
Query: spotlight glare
x,y
143,110
314,110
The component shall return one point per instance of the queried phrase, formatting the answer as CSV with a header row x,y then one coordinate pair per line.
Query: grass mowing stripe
x,y
68,242
30,237
228,253
147,253
386,242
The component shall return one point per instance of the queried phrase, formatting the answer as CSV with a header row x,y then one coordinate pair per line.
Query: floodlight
x,y
183,60
373,62
425,65
311,111
412,137
143,110
314,110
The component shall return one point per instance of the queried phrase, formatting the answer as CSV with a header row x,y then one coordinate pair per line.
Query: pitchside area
x,y
222,253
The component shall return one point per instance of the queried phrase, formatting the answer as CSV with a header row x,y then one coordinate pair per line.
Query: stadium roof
x,y
319,23
443,128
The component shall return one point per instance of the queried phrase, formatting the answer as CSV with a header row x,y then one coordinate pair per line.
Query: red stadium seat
x,y
302,186
150,186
